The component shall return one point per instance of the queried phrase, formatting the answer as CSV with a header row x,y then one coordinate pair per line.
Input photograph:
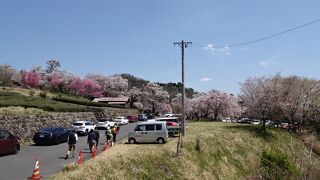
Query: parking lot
x,y
51,158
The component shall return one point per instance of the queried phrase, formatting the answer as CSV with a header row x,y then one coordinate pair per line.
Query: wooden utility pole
x,y
183,45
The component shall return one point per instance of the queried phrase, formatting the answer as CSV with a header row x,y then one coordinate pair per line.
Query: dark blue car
x,y
51,135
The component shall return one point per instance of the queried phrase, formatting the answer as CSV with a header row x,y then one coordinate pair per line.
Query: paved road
x,y
51,158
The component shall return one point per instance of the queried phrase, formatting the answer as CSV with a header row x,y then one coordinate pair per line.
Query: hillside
x,y
225,151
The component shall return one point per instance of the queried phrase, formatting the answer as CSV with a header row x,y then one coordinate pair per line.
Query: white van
x,y
150,131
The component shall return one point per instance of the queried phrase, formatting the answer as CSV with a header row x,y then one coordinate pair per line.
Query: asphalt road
x,y
51,158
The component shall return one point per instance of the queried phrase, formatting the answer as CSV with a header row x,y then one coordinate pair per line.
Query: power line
x,y
267,37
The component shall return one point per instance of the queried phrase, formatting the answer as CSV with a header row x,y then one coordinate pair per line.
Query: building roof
x,y
111,99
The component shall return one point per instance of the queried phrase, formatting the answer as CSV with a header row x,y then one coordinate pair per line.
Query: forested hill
x,y
174,88
171,88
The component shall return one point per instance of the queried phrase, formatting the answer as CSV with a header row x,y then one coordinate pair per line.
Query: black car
x,y
51,135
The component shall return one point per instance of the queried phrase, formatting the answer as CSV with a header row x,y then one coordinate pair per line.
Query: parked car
x,y
173,125
83,127
150,131
244,120
255,121
121,120
132,118
142,117
227,119
169,115
8,143
51,135
103,123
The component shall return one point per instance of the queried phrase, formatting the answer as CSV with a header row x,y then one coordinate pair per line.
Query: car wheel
x,y
171,134
132,141
86,133
16,149
160,141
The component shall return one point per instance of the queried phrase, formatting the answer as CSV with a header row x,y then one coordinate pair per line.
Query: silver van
x,y
150,131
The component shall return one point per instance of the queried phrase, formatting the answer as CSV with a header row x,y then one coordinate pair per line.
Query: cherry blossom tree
x,y
260,96
55,80
111,85
76,86
163,108
86,87
215,104
153,94
91,88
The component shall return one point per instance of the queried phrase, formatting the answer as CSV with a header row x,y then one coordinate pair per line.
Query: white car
x,y
83,127
104,123
255,122
121,120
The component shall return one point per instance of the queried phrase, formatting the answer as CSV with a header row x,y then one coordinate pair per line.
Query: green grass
x,y
226,151
16,99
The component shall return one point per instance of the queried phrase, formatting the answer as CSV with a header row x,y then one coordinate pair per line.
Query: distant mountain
x,y
174,88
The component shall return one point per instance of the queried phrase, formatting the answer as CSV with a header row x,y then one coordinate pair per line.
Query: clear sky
x,y
137,36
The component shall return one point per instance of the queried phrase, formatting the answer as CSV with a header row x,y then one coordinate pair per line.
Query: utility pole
x,y
183,45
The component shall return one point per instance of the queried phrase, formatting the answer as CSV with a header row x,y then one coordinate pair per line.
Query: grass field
x,y
16,99
224,151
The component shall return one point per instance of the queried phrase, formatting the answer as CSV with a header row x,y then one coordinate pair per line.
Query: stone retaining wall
x,y
25,126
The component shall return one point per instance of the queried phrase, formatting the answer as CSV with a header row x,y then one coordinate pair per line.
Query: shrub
x,y
11,110
43,95
276,165
15,99
84,102
31,93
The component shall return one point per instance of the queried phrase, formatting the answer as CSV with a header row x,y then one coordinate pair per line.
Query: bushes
x,y
31,93
276,165
20,111
84,102
43,95
16,99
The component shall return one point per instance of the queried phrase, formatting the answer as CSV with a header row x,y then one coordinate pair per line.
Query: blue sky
x,y
136,37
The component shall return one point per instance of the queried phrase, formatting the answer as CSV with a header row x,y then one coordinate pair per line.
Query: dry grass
x,y
16,110
24,91
227,151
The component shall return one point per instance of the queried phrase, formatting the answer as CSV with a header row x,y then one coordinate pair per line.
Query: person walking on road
x,y
97,137
114,131
72,140
108,134
91,139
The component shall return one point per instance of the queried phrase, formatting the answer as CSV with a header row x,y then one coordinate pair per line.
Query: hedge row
x,y
16,99
84,102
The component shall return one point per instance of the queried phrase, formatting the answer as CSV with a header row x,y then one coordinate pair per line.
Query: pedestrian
x,y
97,137
108,134
72,140
114,132
91,139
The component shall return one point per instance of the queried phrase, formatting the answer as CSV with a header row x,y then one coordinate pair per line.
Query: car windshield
x,y
77,124
102,120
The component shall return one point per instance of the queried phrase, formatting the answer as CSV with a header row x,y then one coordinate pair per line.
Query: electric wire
x,y
266,37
